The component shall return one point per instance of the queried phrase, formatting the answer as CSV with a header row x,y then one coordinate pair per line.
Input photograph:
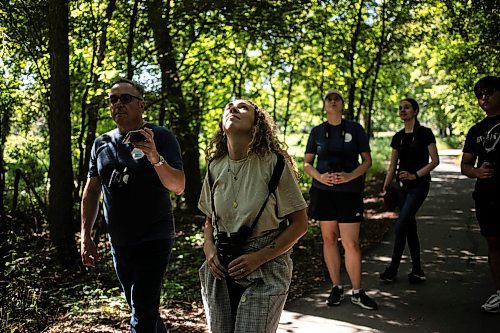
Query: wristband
x,y
160,162
416,176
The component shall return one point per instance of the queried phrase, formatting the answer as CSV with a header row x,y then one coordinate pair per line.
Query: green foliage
x,y
182,280
24,279
381,154
282,54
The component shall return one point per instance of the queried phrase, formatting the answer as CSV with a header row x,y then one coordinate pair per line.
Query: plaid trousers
x,y
261,304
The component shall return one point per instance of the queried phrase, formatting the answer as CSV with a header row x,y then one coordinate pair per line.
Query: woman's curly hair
x,y
264,140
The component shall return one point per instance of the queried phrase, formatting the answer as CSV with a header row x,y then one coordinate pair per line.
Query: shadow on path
x,y
454,258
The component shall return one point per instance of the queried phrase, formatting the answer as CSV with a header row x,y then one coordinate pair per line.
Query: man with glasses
x,y
135,174
482,143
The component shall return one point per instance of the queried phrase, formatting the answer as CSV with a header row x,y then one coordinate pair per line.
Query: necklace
x,y
234,175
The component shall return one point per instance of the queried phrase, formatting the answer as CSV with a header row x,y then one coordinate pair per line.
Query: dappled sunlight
x,y
310,323
454,259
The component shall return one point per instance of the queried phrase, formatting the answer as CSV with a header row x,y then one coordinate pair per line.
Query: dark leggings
x,y
410,200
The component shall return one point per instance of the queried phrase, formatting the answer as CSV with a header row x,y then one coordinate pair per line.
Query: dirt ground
x,y
307,256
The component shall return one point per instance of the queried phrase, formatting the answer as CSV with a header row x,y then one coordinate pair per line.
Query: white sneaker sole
x,y
360,304
485,310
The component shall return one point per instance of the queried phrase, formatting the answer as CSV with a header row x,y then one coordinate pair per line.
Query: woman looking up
x,y
251,225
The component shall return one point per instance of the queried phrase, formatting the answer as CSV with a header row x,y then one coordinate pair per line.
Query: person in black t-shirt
x,y
337,193
135,175
482,144
411,148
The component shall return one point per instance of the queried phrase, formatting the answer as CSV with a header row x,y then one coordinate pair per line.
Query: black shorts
x,y
487,212
335,206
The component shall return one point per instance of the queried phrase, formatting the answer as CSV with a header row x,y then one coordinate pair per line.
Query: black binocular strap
x,y
271,186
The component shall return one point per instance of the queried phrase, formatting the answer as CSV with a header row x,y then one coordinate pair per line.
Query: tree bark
x,y
352,53
130,40
90,110
60,213
184,120
5,112
377,69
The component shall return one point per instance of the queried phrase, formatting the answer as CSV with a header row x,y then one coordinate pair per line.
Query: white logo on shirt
x,y
348,137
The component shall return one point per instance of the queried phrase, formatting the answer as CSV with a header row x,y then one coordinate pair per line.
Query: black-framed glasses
x,y
124,98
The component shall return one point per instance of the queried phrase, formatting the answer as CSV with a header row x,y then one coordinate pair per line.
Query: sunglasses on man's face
x,y
124,98
484,92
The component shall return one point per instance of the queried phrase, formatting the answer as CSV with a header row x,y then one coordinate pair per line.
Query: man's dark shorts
x,y
343,207
488,213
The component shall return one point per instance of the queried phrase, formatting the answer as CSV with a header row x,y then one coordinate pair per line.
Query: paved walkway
x,y
454,257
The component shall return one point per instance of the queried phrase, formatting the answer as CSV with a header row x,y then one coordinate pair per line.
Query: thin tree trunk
x,y
130,40
4,131
183,121
377,69
288,99
89,112
60,213
352,53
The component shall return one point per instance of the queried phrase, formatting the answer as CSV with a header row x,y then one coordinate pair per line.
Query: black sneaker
x,y
416,276
361,299
336,295
389,275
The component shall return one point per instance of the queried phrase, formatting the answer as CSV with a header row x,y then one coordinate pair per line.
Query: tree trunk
x,y
377,69
184,121
130,40
352,53
91,110
288,99
60,213
5,112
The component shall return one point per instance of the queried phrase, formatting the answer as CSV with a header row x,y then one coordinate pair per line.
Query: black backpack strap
x,y
277,171
272,185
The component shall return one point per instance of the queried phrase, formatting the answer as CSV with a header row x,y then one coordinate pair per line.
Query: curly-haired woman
x,y
250,226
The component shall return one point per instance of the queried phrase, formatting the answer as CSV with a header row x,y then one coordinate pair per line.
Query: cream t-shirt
x,y
249,190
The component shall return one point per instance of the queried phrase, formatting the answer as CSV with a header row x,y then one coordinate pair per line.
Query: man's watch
x,y
160,162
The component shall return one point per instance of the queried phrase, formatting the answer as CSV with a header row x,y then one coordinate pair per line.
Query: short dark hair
x,y
139,87
487,83
414,104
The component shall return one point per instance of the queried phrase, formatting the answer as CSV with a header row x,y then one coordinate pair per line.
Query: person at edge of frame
x,y
482,146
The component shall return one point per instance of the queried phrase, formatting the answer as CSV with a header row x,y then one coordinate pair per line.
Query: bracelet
x,y
416,176
161,161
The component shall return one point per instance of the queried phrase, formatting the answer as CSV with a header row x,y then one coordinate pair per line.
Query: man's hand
x,y
485,171
148,146
88,252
